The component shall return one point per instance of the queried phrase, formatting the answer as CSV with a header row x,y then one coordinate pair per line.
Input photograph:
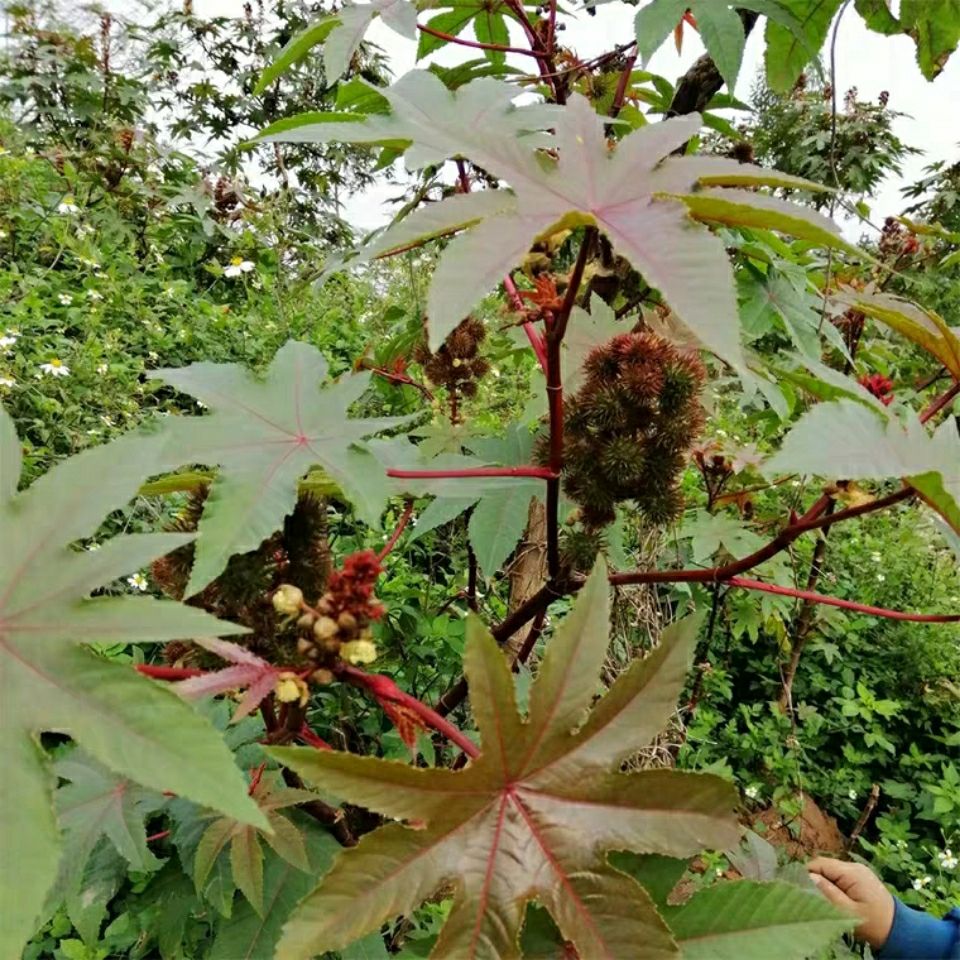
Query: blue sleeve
x,y
918,936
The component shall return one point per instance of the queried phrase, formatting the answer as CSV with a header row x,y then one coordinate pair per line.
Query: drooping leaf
x,y
718,24
788,52
48,683
295,50
243,841
923,327
847,440
746,920
533,816
825,383
933,25
265,434
252,936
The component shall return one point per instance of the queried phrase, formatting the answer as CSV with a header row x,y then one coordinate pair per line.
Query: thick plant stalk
x,y
541,473
395,536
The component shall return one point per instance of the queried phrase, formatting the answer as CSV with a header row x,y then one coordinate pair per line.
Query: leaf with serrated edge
x,y
265,434
532,817
630,194
134,726
845,439
755,921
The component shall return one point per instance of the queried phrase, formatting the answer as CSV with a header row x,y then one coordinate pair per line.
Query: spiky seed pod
x,y
579,549
457,365
628,428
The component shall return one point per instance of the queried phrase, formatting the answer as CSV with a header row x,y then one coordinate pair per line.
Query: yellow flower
x,y
290,687
359,651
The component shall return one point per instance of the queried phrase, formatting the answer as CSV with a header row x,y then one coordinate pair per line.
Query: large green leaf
x,y
265,434
755,921
788,52
489,20
847,440
436,122
635,196
934,26
533,816
48,683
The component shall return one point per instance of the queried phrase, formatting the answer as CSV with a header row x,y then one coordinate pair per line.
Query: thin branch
x,y
402,379
383,688
621,92
844,604
540,473
449,38
530,641
395,536
865,815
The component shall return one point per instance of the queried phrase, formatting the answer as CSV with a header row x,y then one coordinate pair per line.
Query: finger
x,y
836,871
833,893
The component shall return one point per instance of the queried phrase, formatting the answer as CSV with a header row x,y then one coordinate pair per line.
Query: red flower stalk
x,y
879,385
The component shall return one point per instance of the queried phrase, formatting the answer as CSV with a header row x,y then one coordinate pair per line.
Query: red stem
x,y
395,536
622,84
476,44
255,776
940,402
162,835
383,688
812,597
540,473
168,673
312,740
403,380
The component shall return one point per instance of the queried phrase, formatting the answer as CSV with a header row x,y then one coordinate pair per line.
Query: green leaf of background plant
x,y
295,50
787,53
746,920
511,826
47,683
265,434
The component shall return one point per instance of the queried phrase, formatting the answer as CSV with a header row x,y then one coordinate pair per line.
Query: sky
x,y
867,60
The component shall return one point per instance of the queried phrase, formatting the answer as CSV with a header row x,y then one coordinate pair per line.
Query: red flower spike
x,y
879,385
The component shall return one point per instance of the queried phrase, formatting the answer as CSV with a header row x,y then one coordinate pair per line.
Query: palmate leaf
x,y
847,440
533,817
788,52
250,935
489,25
634,195
265,434
243,841
934,26
47,683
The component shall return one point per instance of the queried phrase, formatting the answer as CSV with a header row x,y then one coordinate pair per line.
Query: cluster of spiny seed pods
x,y
338,626
628,428
457,365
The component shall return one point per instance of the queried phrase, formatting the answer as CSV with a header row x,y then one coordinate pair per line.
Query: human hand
x,y
856,889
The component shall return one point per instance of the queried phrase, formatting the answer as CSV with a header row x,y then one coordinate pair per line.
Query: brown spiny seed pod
x,y
628,428
457,365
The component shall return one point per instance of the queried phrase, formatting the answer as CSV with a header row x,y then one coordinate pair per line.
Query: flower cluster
x,y
339,624
628,428
457,365
879,385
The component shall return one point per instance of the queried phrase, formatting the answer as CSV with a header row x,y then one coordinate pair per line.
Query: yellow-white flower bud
x,y
287,599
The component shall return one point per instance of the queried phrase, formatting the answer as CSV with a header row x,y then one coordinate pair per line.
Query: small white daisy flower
x,y
7,382
947,859
7,341
67,206
55,368
3,234
751,792
138,581
852,794
94,295
103,369
920,882
65,299
84,230
237,267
